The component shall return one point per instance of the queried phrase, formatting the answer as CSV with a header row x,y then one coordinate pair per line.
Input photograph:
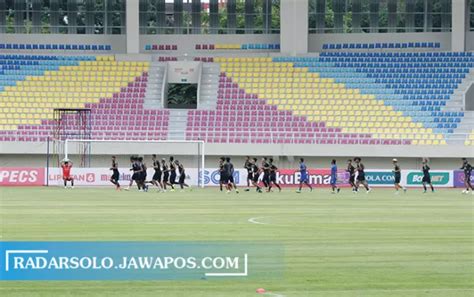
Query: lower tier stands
x,y
317,101
113,90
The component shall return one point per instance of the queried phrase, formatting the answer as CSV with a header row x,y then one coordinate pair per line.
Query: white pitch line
x,y
254,221
273,294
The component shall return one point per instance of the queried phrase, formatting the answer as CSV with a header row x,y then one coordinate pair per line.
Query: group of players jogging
x,y
261,175
164,174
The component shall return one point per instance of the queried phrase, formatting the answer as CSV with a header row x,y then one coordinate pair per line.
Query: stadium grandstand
x,y
252,97
390,74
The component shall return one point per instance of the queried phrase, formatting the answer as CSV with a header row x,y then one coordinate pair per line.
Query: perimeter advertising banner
x,y
12,176
21,176
458,178
439,178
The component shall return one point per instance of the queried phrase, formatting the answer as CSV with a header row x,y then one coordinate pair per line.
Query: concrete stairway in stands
x,y
461,133
153,96
177,124
456,100
209,86
456,103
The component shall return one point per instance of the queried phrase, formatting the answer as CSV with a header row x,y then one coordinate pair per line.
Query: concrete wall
x,y
470,41
211,161
34,154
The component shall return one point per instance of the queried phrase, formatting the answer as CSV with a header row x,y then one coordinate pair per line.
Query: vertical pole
x,y
203,156
66,148
199,164
47,163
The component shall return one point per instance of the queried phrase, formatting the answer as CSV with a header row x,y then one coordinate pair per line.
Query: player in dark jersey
x,y
222,174
361,175
397,174
115,173
304,176
182,175
230,175
256,175
426,176
142,174
248,167
166,174
226,171
273,175
134,169
467,167
172,174
156,179
266,173
351,170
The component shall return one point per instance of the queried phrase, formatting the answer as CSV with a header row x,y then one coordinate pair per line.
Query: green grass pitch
x,y
343,245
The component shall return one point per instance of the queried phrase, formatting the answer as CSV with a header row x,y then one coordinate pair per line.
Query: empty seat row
x,y
161,47
237,46
384,45
72,47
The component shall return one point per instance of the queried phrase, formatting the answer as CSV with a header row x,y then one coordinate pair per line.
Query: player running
x,y
273,178
304,177
66,165
172,170
166,174
266,173
182,175
133,165
361,175
156,179
466,166
142,174
222,174
397,172
256,175
230,176
333,182
426,176
248,167
115,173
351,170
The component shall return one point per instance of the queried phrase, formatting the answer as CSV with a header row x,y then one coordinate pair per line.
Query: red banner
x,y
25,176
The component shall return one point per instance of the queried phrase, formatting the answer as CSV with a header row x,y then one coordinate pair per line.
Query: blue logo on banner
x,y
136,260
213,177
